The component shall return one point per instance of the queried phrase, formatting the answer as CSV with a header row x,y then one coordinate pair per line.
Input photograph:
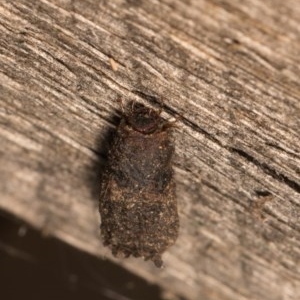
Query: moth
x,y
138,203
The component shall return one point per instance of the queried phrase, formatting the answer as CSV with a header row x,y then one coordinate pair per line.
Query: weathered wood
x,y
230,70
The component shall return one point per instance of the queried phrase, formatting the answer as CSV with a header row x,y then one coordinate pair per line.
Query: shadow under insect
x,y
137,196
103,144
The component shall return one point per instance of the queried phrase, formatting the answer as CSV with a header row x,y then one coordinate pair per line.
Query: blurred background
x,y
42,267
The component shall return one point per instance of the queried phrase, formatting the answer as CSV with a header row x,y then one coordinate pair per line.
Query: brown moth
x,y
138,204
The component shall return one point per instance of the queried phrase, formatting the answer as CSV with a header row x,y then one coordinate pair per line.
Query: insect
x,y
138,204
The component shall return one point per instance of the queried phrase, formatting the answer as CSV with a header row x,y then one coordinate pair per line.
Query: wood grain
x,y
229,71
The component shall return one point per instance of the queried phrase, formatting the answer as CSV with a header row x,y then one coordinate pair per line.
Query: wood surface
x,y
228,71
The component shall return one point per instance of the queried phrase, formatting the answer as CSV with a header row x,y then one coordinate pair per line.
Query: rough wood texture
x,y
229,69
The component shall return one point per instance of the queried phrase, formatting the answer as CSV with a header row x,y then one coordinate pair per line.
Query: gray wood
x,y
229,71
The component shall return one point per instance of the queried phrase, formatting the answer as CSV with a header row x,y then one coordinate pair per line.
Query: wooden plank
x,y
229,71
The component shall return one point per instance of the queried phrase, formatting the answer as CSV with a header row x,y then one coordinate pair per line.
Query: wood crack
x,y
268,170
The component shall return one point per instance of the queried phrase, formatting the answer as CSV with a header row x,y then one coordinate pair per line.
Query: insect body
x,y
138,206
